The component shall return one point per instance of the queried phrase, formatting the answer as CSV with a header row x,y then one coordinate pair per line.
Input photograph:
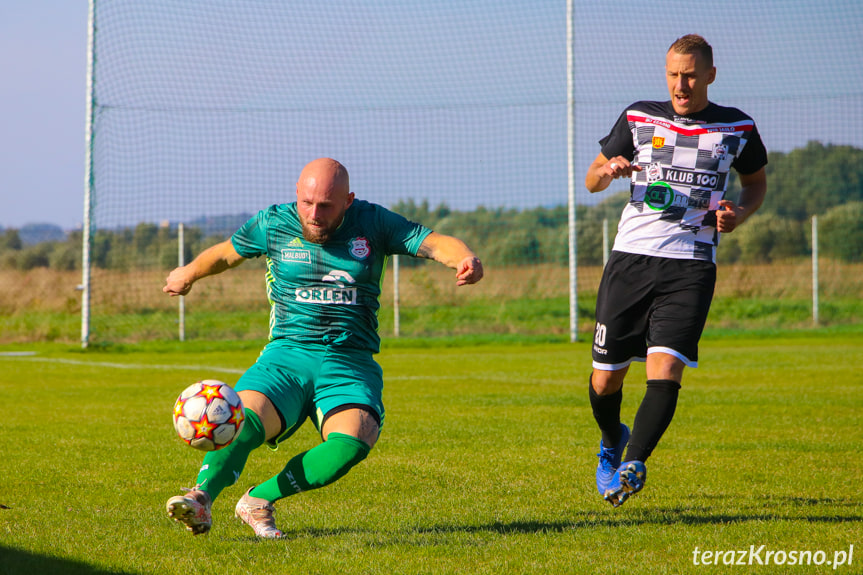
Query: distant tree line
x,y
823,180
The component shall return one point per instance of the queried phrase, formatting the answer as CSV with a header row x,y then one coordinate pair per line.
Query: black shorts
x,y
648,304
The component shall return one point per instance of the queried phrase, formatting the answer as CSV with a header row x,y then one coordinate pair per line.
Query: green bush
x,y
840,232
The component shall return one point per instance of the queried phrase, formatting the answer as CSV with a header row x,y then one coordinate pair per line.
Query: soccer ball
x,y
208,415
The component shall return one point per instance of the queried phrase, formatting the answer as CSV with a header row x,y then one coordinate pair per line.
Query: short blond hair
x,y
694,44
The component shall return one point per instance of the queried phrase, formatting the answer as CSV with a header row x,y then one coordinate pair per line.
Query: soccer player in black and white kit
x,y
658,284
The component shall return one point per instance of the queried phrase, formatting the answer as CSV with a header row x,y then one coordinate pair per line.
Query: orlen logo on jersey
x,y
339,295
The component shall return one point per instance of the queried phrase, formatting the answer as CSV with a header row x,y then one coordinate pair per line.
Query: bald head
x,y
323,196
325,173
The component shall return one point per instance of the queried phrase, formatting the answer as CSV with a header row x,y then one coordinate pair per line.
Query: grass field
x,y
485,465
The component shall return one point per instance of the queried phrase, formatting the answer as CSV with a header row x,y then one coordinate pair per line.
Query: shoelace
x,y
606,454
195,488
263,514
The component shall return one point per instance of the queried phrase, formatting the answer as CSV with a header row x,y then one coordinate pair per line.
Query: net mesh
x,y
455,114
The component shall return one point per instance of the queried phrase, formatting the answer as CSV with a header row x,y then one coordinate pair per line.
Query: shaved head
x,y
323,197
325,173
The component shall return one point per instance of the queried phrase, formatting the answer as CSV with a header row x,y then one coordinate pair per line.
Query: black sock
x,y
606,412
653,417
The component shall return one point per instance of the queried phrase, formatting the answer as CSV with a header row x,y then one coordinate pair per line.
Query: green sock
x,y
314,468
222,468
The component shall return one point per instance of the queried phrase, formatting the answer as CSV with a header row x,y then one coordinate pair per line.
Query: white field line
x,y
192,367
122,365
501,377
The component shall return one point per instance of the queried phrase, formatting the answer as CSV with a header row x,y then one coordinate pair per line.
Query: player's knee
x,y
606,382
252,435
359,422
268,415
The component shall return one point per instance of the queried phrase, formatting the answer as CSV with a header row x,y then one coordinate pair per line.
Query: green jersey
x,y
322,293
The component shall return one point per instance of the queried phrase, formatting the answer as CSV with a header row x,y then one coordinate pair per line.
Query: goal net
x,y
452,113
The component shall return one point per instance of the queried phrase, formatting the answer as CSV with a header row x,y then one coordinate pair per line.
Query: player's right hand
x,y
620,167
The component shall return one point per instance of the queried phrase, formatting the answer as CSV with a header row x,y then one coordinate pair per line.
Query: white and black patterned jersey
x,y
684,173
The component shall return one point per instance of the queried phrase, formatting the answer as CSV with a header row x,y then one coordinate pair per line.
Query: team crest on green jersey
x,y
360,248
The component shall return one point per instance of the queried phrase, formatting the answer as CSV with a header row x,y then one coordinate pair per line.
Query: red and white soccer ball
x,y
209,415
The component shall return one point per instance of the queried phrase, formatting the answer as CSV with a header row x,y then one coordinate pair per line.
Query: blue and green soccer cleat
x,y
628,480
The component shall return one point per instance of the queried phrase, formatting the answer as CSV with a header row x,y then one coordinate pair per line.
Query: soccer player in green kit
x,y
326,254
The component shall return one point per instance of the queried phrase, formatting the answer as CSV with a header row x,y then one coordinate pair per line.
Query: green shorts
x,y
310,380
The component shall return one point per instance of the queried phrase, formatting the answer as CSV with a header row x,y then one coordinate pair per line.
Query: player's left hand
x,y
726,216
178,282
469,271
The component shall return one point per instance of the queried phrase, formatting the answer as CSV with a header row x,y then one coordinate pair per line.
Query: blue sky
x,y
42,102
794,65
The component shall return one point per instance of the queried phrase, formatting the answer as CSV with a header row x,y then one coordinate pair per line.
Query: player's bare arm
x,y
603,171
453,253
753,189
213,260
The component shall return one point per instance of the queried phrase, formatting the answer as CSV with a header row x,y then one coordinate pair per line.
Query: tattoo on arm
x,y
424,252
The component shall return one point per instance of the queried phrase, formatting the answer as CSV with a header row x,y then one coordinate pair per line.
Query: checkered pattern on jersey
x,y
684,173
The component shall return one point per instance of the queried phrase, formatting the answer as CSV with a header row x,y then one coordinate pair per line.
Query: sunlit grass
x,y
485,464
